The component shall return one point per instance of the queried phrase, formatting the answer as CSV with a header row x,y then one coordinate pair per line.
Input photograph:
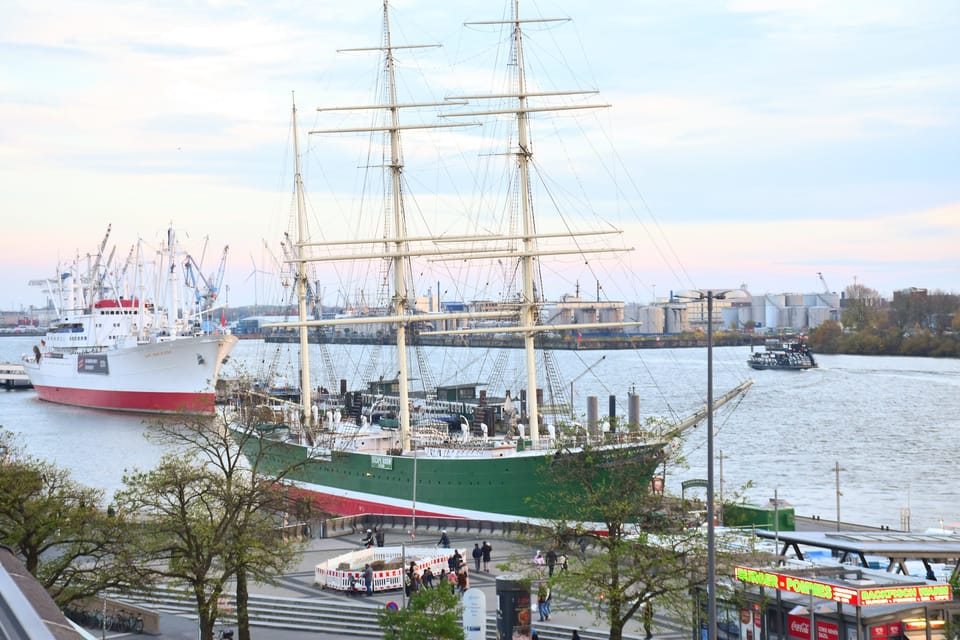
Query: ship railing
x,y
335,527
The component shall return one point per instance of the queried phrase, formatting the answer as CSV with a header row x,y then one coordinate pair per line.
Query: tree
x,y
431,614
860,304
646,554
59,528
212,516
827,337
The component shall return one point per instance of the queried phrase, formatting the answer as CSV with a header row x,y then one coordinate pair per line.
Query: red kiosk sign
x,y
891,594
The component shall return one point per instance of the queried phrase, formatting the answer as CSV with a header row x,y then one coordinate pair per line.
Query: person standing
x,y
462,580
453,581
380,536
368,579
551,561
477,556
543,597
486,549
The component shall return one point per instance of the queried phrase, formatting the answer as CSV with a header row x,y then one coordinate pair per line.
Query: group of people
x,y
551,560
482,554
455,576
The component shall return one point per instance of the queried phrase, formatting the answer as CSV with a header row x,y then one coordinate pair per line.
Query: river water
x,y
892,424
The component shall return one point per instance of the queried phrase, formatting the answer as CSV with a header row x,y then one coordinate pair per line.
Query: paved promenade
x,y
299,584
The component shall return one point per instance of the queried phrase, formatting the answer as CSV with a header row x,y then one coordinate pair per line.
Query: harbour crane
x,y
206,297
826,289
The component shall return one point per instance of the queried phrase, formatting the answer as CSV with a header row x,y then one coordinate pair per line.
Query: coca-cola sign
x,y
799,627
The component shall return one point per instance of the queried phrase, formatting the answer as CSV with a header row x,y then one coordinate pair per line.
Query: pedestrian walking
x,y
368,579
486,548
380,536
428,577
477,556
551,561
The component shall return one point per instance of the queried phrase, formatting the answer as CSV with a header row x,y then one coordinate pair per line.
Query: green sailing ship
x,y
413,461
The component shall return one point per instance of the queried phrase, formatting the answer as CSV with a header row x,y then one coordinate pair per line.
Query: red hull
x,y
134,401
342,506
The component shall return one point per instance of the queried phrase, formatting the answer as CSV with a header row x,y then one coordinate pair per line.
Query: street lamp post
x,y
711,533
837,469
710,295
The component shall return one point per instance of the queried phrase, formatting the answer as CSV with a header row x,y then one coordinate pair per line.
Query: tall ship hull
x,y
497,482
177,376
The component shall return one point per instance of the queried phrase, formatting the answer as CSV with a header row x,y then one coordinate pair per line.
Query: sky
x,y
791,146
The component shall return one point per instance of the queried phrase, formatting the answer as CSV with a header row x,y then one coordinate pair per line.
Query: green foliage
x,y
431,614
826,338
59,529
640,548
915,323
210,517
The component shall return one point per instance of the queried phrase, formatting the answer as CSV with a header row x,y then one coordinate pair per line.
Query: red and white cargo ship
x,y
109,351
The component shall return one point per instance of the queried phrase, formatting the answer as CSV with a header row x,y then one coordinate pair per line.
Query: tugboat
x,y
792,355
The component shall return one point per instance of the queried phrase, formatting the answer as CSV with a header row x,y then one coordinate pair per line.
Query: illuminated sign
x,y
906,594
895,594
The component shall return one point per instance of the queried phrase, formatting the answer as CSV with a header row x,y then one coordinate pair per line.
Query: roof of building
x,y
27,612
896,546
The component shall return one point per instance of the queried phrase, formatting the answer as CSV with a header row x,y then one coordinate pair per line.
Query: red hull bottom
x,y
134,401
343,506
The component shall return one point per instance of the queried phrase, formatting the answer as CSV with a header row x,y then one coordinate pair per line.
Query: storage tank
x,y
771,318
611,314
675,318
816,316
797,317
793,300
651,316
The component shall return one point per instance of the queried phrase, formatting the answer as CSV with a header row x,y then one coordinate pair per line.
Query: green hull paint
x,y
503,486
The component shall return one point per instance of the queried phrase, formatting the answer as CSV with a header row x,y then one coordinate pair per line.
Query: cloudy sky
x,y
751,142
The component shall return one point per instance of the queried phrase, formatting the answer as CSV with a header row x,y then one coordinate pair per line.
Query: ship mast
x,y
528,307
529,325
306,415
398,241
400,246
400,230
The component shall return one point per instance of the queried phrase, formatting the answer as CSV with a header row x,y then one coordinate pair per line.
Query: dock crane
x,y
826,289
207,296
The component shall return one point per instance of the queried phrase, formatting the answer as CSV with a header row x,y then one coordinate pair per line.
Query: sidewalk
x,y
299,584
